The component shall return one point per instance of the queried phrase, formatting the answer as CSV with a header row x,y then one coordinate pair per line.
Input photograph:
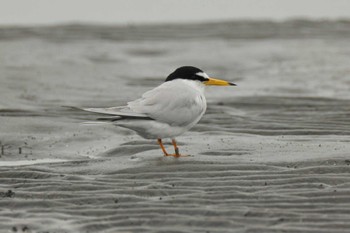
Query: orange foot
x,y
177,155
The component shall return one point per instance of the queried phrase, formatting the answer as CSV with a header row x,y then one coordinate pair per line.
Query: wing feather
x,y
172,102
113,112
175,103
116,111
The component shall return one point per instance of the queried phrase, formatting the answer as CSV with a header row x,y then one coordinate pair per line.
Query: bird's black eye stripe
x,y
200,78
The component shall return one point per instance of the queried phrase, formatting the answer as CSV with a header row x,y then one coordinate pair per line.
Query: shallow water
x,y
270,155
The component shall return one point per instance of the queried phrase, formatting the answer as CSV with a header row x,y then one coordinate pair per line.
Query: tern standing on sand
x,y
168,110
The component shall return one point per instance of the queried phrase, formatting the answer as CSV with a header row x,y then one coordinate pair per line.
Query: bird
x,y
168,110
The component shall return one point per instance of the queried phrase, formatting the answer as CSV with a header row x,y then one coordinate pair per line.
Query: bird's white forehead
x,y
204,75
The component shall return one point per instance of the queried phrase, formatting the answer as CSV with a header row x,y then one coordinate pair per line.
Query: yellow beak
x,y
218,82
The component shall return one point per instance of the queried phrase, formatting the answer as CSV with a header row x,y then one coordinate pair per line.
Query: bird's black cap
x,y
186,72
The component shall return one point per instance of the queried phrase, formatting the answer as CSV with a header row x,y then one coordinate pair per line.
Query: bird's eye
x,y
201,76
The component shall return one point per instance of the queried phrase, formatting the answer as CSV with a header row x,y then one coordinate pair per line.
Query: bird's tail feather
x,y
109,115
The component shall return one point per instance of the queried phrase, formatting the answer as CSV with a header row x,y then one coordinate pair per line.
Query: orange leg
x,y
162,147
177,153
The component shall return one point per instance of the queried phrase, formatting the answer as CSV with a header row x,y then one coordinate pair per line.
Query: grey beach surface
x,y
270,155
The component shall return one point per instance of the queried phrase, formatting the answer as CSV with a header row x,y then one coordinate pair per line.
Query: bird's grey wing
x,y
113,112
170,104
116,111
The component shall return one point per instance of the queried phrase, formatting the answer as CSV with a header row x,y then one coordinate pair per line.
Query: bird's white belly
x,y
153,129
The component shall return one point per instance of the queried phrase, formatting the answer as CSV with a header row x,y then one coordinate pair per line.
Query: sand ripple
x,y
181,197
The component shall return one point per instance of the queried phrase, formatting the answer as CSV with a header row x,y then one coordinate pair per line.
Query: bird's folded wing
x,y
113,111
169,104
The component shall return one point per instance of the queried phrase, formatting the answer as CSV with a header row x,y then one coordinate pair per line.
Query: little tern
x,y
168,110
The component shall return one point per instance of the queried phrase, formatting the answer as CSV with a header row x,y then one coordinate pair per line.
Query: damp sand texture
x,y
271,155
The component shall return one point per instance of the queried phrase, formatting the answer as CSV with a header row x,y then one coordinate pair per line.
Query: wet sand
x,y
271,155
